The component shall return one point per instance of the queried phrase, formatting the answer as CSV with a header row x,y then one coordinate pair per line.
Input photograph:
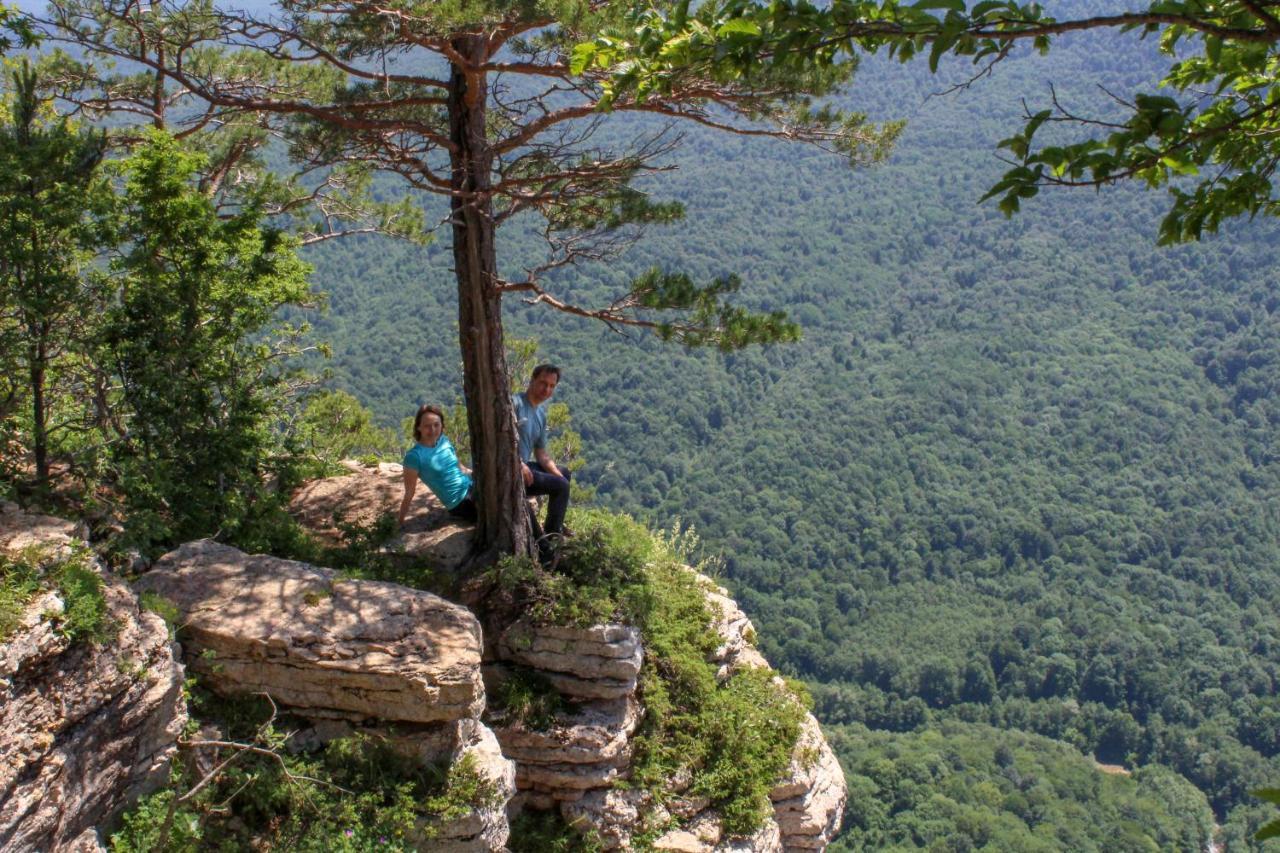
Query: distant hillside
x,y
1022,474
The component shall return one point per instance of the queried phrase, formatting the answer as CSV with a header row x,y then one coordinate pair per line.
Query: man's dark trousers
x,y
557,488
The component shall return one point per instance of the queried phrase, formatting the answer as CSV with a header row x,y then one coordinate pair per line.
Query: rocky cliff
x,y
556,708
577,759
87,724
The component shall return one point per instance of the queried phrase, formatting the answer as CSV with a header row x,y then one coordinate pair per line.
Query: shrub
x,y
19,583
527,697
732,738
359,793
547,832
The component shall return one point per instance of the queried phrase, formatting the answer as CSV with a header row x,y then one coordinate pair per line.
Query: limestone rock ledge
x,y
349,656
84,729
596,662
585,749
574,764
315,641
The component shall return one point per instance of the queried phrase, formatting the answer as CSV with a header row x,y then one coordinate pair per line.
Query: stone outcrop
x,y
587,748
596,662
573,762
313,640
360,497
350,656
809,802
84,728
486,828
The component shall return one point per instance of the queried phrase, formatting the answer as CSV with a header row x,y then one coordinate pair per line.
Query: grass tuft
x,y
25,574
526,696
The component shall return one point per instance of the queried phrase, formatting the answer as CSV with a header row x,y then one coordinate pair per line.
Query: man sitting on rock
x,y
541,474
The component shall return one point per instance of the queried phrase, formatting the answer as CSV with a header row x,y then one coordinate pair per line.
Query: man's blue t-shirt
x,y
531,425
438,468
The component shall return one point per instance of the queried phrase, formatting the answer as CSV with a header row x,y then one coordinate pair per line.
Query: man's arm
x,y
544,459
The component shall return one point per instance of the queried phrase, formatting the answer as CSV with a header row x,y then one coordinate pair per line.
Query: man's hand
x,y
528,475
548,464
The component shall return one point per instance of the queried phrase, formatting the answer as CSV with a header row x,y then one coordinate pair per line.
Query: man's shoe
x,y
549,550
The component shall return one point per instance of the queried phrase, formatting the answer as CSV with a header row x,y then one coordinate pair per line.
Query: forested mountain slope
x,y
1019,474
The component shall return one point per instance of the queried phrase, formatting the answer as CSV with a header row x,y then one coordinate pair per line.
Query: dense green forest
x,y
1020,478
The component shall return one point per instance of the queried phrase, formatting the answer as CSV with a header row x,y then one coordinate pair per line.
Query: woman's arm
x,y
410,485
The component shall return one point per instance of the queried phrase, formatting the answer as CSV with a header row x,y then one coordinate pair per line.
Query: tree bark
x,y
503,525
40,432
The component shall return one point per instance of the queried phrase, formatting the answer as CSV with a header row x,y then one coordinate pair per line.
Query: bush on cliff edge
x,y
730,739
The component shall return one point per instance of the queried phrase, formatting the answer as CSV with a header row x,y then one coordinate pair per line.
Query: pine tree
x,y
490,105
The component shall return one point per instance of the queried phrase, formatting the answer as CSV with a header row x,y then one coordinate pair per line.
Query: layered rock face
x,y
574,763
315,641
349,655
87,728
84,728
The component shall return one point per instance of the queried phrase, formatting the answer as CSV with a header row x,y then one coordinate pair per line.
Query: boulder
x,y
588,747
485,828
595,662
85,729
429,532
317,642
809,803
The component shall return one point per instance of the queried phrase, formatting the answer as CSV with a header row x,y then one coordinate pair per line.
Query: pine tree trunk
x,y
503,526
40,431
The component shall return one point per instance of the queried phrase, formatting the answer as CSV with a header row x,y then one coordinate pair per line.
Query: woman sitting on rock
x,y
435,461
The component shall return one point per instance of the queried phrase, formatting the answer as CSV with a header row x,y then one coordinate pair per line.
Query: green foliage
x,y
19,583
54,206
360,793
1207,135
971,788
84,617
601,574
711,320
162,607
15,30
1272,829
732,738
198,296
334,426
547,832
526,697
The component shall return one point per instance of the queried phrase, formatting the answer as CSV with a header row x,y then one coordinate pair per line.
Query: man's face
x,y
541,387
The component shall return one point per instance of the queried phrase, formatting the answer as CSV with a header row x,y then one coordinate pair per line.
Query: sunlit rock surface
x,y
84,729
